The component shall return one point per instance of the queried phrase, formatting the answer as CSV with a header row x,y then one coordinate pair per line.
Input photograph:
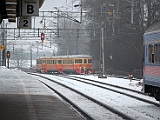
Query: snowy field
x,y
116,81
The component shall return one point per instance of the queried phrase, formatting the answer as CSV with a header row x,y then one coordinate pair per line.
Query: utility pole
x,y
3,52
81,11
103,66
132,4
58,22
3,44
31,55
102,59
77,40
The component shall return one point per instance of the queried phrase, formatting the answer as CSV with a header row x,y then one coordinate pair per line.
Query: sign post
x,y
30,7
25,22
1,47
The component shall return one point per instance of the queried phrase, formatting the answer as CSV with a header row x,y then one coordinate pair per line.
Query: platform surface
x,y
23,97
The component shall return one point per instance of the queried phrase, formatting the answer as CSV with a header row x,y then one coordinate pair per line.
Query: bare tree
x,y
125,23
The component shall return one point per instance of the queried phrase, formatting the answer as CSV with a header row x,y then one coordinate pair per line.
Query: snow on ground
x,y
116,81
105,96
133,107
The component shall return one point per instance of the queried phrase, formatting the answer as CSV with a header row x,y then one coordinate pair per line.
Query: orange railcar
x,y
79,64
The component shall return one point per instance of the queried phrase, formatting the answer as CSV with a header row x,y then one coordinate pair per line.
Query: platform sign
x,y
30,7
1,47
25,22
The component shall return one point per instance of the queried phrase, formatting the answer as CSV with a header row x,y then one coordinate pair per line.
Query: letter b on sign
x,y
30,9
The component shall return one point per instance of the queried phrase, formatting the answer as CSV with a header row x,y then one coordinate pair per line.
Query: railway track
x,y
114,88
117,104
91,80
90,104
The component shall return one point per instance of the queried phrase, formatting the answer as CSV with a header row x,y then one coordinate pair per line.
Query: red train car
x,y
78,64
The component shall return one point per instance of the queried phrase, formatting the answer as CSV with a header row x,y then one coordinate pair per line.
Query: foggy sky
x,y
49,4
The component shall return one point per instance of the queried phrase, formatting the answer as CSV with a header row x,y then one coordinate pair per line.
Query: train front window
x,y
43,61
89,60
80,61
58,61
85,61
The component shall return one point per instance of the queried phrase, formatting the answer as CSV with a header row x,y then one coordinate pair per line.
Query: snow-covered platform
x,y
23,97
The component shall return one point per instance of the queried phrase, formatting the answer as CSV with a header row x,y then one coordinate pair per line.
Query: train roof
x,y
68,56
153,29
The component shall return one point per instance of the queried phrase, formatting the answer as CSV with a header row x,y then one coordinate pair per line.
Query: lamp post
x,y
112,42
30,48
5,45
31,56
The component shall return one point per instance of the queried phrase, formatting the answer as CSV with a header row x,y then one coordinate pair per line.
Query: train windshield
x,y
58,61
89,60
43,61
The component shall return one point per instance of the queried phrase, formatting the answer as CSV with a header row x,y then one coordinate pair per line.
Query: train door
x,y
44,66
90,69
58,63
78,65
87,65
49,65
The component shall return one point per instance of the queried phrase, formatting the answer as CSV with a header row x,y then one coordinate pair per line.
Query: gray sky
x,y
49,4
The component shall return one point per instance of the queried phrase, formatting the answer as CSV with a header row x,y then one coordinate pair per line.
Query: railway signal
x,y
8,54
42,37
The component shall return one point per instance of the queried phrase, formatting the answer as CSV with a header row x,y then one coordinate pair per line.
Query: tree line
x,y
124,23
